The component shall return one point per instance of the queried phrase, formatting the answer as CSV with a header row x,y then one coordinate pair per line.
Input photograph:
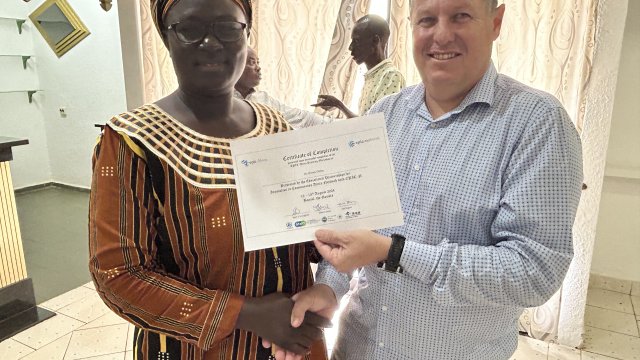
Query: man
x,y
489,173
246,89
369,40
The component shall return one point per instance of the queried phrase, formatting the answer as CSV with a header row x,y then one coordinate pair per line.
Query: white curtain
x,y
293,38
158,74
549,45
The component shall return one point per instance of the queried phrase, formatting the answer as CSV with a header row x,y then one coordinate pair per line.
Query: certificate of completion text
x,y
336,176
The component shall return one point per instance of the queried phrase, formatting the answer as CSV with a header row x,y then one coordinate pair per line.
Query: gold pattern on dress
x,y
219,221
107,171
186,309
112,273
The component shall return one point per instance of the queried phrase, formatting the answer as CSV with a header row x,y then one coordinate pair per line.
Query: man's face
x,y
361,46
452,42
252,72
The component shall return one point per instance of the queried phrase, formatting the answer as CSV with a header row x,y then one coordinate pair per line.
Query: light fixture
x,y
105,4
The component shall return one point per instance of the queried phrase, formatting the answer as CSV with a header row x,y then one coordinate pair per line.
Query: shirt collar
x,y
238,95
482,92
380,65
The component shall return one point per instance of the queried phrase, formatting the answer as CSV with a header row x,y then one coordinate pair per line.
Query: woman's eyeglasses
x,y
190,32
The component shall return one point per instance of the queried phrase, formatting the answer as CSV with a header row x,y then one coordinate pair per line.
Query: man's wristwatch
x,y
392,264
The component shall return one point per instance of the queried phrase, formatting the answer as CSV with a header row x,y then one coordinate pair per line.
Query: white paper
x,y
335,176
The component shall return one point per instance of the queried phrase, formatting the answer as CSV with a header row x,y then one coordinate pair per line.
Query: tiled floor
x,y
84,328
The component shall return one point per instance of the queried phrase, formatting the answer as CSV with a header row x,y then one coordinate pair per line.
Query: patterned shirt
x,y
297,118
382,80
489,191
166,249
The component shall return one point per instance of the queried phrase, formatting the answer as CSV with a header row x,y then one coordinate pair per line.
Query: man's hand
x,y
349,250
328,102
318,299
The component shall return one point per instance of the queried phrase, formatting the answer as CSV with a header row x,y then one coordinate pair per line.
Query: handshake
x,y
290,325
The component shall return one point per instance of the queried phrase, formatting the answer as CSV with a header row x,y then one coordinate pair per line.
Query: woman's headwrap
x,y
160,8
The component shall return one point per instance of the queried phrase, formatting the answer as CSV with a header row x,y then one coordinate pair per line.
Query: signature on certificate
x,y
347,203
321,207
295,211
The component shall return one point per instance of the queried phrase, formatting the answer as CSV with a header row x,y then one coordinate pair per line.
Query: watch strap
x,y
392,264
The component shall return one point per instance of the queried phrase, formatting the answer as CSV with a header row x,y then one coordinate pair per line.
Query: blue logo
x,y
352,143
245,162
289,225
300,223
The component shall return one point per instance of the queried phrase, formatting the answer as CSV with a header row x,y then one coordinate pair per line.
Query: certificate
x,y
336,176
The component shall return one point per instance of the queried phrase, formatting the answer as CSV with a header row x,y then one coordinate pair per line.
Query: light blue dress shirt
x,y
489,193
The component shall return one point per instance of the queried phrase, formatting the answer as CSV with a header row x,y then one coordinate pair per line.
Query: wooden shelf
x,y
25,58
19,22
29,93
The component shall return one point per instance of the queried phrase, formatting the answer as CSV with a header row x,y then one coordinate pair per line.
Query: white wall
x,y
87,81
617,247
18,118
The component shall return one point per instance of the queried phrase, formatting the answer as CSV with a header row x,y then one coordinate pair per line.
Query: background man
x,y
369,40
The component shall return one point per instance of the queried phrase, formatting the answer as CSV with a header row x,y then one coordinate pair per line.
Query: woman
x,y
165,241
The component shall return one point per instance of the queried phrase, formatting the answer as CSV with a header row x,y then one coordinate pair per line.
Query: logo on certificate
x,y
247,163
289,225
353,143
300,223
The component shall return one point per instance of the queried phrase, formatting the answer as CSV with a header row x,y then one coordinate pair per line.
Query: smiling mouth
x,y
443,56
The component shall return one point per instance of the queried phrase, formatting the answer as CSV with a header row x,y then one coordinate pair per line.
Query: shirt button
x,y
416,167
384,308
381,344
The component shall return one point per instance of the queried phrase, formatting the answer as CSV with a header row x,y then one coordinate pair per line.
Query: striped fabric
x,y
166,248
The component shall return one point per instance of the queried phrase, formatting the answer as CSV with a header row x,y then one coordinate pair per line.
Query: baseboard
x,y
18,310
629,287
28,189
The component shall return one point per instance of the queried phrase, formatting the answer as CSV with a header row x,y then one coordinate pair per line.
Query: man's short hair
x,y
492,4
376,25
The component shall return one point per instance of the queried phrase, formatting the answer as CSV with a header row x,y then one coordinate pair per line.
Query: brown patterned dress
x,y
166,250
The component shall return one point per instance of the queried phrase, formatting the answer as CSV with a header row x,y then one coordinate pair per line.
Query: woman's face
x,y
208,66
